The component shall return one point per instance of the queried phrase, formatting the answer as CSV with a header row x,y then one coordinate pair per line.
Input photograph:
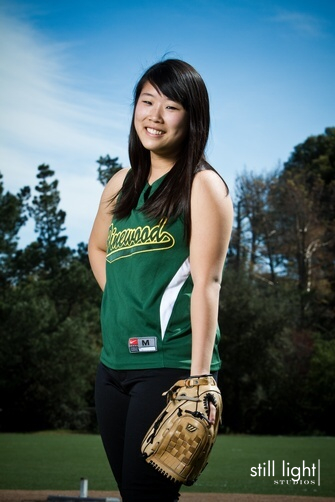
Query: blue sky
x,y
68,69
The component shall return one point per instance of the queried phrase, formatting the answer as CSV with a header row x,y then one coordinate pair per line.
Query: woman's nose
x,y
155,114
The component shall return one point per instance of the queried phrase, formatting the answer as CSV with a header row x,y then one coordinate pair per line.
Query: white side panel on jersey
x,y
171,293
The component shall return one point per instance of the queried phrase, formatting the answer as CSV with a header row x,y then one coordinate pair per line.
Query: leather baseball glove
x,y
180,440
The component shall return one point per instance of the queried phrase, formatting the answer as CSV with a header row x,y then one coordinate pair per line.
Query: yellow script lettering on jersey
x,y
130,241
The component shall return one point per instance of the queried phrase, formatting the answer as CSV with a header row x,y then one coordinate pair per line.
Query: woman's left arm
x,y
211,225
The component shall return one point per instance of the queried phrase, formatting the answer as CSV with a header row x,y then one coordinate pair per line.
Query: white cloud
x,y
301,23
48,117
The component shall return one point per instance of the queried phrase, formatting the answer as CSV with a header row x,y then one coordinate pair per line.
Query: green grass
x,y
233,457
57,461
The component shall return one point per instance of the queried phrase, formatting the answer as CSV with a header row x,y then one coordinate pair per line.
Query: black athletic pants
x,y
127,403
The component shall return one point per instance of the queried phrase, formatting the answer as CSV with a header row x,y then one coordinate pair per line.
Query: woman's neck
x,y
159,167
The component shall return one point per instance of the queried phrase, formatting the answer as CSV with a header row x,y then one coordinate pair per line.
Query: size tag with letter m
x,y
142,344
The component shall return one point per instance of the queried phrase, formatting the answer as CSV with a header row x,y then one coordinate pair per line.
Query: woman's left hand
x,y
212,413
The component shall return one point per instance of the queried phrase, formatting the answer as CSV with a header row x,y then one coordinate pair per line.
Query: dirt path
x,y
32,496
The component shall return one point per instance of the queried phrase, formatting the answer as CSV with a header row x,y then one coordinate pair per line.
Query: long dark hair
x,y
179,82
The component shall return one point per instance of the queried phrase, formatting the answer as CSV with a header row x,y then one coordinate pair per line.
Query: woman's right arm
x,y
98,239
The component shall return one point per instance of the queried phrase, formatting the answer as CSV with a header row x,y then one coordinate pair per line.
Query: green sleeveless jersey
x,y
145,312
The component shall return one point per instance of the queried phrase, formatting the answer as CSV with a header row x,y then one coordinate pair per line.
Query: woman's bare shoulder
x,y
209,181
114,185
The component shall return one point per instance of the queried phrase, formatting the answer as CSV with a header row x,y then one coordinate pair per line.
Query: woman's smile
x,y
155,132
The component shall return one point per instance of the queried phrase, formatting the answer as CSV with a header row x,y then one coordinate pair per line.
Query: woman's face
x,y
161,124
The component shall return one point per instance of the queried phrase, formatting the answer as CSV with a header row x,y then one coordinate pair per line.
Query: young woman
x,y
157,250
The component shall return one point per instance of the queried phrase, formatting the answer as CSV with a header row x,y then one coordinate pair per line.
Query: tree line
x,y
276,304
